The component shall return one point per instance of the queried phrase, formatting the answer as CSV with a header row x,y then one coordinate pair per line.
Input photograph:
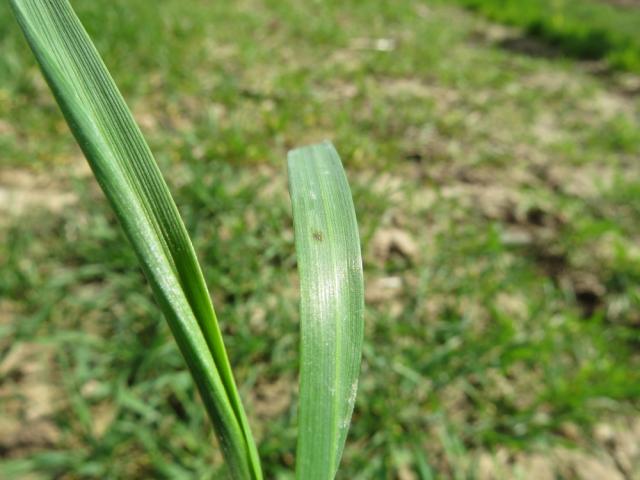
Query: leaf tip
x,y
311,149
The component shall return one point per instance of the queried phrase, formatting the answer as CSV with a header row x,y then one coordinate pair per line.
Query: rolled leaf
x,y
331,307
128,174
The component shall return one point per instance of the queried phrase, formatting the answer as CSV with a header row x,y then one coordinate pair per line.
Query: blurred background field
x,y
493,148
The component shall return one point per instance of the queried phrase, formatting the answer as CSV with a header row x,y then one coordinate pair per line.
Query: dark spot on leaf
x,y
317,235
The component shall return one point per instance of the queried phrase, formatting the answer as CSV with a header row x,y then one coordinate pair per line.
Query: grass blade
x,y
331,306
131,180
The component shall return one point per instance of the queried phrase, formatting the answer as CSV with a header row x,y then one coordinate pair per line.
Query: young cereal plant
x,y
326,239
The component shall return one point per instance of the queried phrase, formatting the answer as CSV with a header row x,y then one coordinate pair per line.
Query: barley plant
x,y
326,241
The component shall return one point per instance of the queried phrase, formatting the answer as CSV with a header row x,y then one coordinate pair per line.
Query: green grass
x,y
516,177
590,29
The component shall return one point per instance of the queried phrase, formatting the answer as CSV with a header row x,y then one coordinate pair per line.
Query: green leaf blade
x,y
331,306
128,174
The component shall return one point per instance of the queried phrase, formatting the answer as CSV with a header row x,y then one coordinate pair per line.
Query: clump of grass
x,y
326,242
588,30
